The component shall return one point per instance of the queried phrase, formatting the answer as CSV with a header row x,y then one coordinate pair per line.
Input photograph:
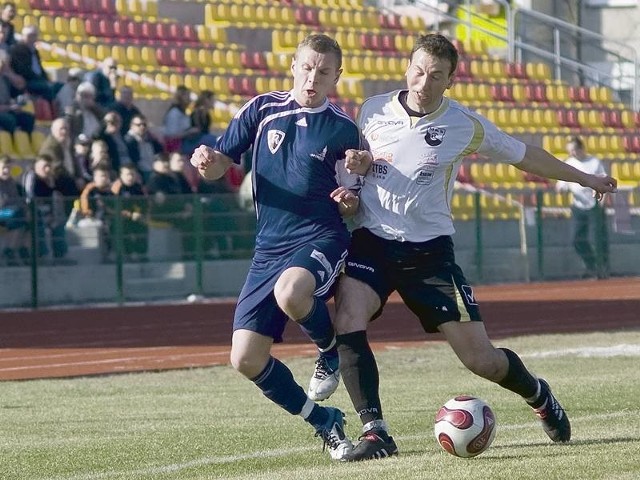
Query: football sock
x,y
277,384
518,378
317,325
360,375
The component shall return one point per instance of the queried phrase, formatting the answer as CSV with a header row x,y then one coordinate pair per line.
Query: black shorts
x,y
424,274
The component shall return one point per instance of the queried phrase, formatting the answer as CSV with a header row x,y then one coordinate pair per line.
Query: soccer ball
x,y
465,426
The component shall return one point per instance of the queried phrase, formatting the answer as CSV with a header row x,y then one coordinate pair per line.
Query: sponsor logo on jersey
x,y
274,140
360,266
320,156
434,136
425,176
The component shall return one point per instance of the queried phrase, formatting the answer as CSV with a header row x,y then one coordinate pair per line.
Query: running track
x,y
83,341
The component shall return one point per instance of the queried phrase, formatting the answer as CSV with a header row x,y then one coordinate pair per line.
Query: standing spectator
x,y
25,61
200,120
589,215
39,187
67,94
84,114
7,14
13,217
81,157
96,206
66,173
143,147
12,115
110,133
177,122
133,211
105,81
99,157
126,107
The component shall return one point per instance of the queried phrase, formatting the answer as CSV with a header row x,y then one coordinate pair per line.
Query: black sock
x,y
359,372
518,378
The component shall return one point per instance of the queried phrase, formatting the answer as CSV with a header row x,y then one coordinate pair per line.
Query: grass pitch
x,y
213,424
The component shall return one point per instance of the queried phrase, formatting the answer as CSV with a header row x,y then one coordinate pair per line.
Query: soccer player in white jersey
x,y
402,241
301,189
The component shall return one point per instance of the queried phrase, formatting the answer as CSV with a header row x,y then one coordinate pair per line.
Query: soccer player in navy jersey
x,y
301,192
402,240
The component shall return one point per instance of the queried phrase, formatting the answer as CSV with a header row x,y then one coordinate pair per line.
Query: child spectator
x,y
133,213
13,218
96,205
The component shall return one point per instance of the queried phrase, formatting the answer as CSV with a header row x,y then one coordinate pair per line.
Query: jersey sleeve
x,y
351,180
240,133
499,146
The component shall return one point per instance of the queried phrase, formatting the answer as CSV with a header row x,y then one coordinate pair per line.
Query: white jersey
x,y
407,191
582,196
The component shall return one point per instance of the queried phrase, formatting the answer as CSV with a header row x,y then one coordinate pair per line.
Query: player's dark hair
x,y
438,46
321,43
577,142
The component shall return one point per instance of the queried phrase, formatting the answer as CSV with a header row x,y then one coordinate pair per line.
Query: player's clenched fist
x,y
210,163
357,161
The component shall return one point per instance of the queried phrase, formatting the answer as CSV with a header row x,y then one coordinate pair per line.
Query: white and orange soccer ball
x,y
465,426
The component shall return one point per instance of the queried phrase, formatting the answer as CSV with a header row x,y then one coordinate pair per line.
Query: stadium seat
x,y
22,145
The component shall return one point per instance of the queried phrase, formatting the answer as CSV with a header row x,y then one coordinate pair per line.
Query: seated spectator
x,y
177,123
142,146
110,134
84,114
66,173
13,218
12,115
105,81
7,14
133,211
201,120
126,108
97,208
81,158
39,187
99,157
67,94
168,204
25,61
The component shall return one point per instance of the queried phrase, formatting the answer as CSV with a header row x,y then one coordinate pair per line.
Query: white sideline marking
x,y
613,351
176,467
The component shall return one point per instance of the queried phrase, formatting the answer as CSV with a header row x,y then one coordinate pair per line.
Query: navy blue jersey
x,y
297,162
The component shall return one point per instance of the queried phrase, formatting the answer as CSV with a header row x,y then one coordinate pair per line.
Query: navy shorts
x,y
424,274
257,309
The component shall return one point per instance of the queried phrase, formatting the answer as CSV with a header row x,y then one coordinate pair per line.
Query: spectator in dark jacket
x,y
143,147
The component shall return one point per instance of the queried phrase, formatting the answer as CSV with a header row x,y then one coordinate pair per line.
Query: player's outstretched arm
x,y
210,163
542,163
358,161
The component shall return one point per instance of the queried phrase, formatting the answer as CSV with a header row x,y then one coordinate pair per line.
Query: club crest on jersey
x,y
434,136
274,139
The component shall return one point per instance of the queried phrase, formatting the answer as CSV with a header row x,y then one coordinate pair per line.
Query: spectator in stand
x,y
111,135
99,156
96,205
39,186
25,61
201,120
168,205
81,157
177,122
67,94
185,223
133,210
126,108
13,218
105,81
67,175
84,114
12,115
7,14
143,147
588,213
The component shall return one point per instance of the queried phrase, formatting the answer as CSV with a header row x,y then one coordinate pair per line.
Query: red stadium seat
x,y
516,70
502,92
536,92
579,94
568,118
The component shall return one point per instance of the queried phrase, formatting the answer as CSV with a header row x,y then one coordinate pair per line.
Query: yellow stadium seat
x,y
538,71
22,145
37,139
6,144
